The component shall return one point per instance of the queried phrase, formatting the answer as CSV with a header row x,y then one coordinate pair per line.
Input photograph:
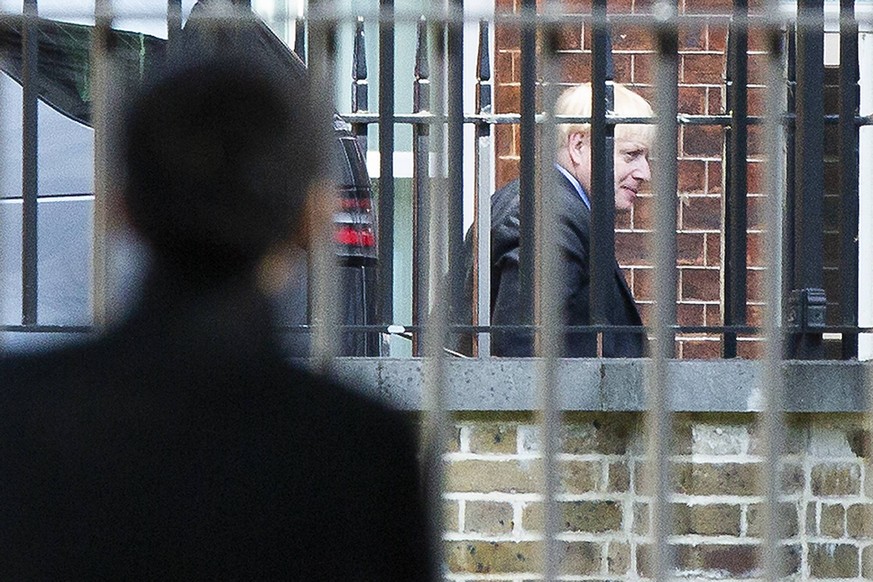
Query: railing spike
x,y
360,94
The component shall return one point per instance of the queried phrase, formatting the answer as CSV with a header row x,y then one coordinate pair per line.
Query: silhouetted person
x,y
179,444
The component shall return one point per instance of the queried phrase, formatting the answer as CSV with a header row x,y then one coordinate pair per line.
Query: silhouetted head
x,y
219,159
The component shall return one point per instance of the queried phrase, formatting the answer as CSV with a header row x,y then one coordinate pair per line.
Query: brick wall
x,y
699,212
493,510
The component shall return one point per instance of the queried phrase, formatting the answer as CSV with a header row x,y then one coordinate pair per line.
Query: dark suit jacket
x,y
180,445
508,303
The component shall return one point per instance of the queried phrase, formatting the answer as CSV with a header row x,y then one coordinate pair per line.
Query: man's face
x,y
631,166
631,170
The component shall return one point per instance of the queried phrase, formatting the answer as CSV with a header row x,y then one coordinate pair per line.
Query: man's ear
x,y
575,143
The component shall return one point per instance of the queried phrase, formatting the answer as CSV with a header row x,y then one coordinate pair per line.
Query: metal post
x,y
455,154
482,231
29,240
421,184
527,174
323,266
850,98
386,159
100,85
549,310
602,196
807,302
360,94
736,192
435,428
665,187
772,418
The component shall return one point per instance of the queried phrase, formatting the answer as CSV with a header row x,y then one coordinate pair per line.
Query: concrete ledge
x,y
613,385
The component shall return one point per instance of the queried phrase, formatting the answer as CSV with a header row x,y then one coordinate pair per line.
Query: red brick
x,y
755,315
576,67
619,6
623,65
714,177
713,249
643,284
504,6
569,37
692,38
506,171
507,99
706,69
690,313
715,100
504,138
756,142
713,314
690,248
576,6
758,68
701,213
755,285
756,209
504,66
632,248
701,349
643,213
702,141
506,36
644,68
756,177
700,284
643,6
706,7
756,253
692,176
751,350
716,37
692,100
632,38
757,100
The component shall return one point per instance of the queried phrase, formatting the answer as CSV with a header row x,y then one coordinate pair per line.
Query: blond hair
x,y
576,102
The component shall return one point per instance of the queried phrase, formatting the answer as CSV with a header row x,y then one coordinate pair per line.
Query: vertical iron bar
x,y
790,173
735,224
550,314
809,180
421,219
527,172
665,187
772,419
386,159
324,291
455,155
850,98
29,191
99,89
360,94
602,196
482,231
435,428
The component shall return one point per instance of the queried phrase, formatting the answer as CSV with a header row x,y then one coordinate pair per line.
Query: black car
x,y
65,183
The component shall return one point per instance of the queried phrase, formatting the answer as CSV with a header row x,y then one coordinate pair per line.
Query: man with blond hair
x,y
572,196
